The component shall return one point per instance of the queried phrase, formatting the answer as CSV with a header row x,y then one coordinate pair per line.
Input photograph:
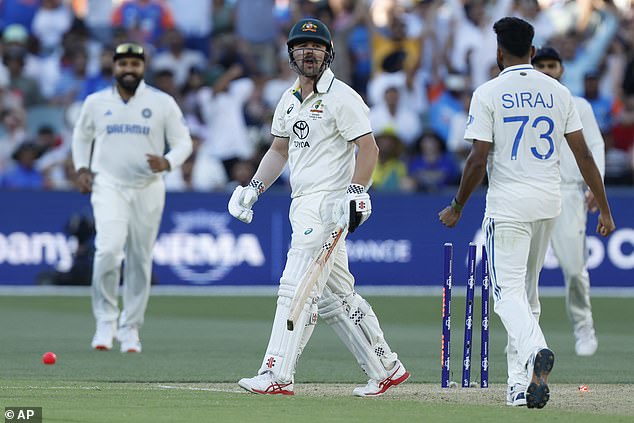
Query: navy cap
x,y
546,53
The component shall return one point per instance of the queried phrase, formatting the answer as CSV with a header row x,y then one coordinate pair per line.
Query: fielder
x,y
129,123
317,126
516,123
569,236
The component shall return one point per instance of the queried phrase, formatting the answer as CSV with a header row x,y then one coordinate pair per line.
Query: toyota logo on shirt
x,y
301,129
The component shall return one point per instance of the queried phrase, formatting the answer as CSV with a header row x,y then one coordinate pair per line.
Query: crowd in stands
x,y
415,62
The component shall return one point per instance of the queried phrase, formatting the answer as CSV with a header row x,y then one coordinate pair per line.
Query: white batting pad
x,y
354,321
286,346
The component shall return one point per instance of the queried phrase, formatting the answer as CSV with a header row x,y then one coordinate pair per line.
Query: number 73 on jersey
x,y
543,124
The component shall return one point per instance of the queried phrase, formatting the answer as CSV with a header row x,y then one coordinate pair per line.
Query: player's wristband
x,y
456,205
258,185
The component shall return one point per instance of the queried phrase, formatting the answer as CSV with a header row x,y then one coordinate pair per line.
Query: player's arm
x,y
472,176
269,169
596,144
367,156
83,136
355,207
178,140
593,179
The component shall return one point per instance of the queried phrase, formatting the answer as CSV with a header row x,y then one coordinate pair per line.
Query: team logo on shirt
x,y
317,110
317,107
469,120
301,129
146,113
290,109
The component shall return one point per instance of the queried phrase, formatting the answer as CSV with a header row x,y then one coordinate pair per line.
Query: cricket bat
x,y
310,277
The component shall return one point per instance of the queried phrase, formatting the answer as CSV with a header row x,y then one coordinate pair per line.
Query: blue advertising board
x,y
199,243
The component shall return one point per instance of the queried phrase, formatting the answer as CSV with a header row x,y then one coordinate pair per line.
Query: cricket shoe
x,y
129,338
586,341
266,384
537,393
104,335
374,388
516,395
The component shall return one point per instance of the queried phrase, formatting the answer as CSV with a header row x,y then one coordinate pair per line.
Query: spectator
x,y
447,105
14,59
394,39
50,22
222,110
530,11
97,17
222,20
623,130
72,82
584,54
259,44
390,173
164,81
8,98
24,175
144,20
194,19
177,58
432,167
42,68
14,125
101,79
241,173
393,115
601,105
456,144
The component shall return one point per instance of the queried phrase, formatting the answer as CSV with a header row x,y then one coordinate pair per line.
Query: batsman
x,y
318,125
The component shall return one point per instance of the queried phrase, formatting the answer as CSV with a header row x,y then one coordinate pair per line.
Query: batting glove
x,y
242,200
354,208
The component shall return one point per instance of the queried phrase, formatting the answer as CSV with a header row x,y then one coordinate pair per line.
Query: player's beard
x,y
308,64
128,85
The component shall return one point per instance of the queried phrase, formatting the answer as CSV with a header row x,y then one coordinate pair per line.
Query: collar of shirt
x,y
324,83
523,66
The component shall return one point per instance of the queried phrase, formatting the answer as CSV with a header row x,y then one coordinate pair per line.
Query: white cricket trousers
x,y
569,244
516,252
127,220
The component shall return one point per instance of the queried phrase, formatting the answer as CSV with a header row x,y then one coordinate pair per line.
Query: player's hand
x,y
353,209
157,163
241,202
449,216
84,180
606,225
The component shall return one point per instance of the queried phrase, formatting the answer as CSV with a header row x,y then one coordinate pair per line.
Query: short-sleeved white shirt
x,y
124,132
319,131
525,114
570,173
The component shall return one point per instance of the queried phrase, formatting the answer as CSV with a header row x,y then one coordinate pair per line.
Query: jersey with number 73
x,y
525,114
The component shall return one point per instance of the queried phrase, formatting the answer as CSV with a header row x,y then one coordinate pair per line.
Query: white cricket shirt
x,y
124,132
319,131
570,173
525,114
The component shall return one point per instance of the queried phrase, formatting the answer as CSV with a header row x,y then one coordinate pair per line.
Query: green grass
x,y
198,342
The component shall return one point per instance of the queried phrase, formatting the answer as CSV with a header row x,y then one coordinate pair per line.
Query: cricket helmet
x,y
310,30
